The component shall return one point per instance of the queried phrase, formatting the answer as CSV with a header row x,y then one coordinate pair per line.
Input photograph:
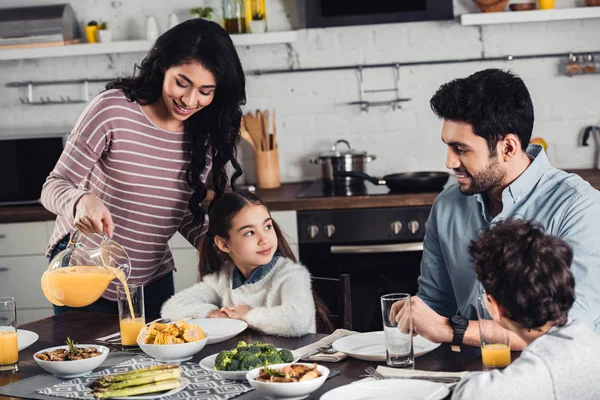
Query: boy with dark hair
x,y
529,290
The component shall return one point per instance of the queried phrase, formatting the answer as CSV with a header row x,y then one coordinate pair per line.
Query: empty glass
x,y
495,348
9,344
399,345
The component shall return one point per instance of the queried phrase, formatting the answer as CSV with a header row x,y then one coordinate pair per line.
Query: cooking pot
x,y
346,160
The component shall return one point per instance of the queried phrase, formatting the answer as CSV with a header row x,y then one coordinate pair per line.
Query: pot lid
x,y
337,152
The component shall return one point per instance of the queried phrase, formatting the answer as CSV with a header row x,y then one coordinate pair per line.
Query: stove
x,y
322,188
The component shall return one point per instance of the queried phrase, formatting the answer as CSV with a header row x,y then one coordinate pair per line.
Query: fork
x,y
323,350
440,379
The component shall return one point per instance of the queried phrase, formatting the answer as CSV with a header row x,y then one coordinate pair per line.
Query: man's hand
x,y
217,314
425,321
237,312
92,216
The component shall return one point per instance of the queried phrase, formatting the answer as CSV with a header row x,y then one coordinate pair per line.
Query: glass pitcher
x,y
79,275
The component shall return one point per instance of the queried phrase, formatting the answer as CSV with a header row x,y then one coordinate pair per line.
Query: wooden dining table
x,y
85,327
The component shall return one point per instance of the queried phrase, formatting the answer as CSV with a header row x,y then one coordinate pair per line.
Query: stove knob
x,y
396,227
329,230
313,231
413,226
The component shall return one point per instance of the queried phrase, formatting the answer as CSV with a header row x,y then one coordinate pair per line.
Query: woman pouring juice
x,y
136,162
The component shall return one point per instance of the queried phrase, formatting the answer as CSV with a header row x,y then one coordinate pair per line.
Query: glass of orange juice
x,y
495,347
9,344
130,301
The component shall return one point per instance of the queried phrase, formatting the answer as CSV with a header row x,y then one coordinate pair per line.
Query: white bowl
x,y
287,390
173,352
74,368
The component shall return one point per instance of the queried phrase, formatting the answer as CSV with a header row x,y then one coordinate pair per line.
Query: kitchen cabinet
x,y
508,17
22,262
186,257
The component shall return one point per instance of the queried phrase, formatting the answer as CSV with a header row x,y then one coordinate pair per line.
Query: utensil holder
x,y
267,169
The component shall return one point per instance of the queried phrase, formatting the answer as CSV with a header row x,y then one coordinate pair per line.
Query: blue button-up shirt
x,y
564,204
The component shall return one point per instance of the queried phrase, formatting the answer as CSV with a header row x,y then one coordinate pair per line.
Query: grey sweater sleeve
x,y
526,378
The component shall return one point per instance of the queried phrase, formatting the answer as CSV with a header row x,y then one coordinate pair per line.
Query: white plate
x,y
184,382
26,338
219,329
389,389
370,346
208,364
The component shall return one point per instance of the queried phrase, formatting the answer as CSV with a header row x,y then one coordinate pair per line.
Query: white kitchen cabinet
x,y
22,263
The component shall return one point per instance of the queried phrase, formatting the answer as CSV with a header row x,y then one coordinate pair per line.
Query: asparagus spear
x,y
143,389
109,379
165,376
145,374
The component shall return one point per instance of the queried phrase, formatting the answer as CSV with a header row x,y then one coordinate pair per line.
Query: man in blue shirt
x,y
488,121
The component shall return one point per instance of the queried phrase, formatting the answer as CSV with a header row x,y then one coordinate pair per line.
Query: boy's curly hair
x,y
527,272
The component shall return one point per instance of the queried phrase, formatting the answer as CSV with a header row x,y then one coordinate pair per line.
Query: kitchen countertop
x,y
284,198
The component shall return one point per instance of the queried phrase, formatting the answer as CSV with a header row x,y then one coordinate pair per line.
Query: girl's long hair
x,y
215,129
221,213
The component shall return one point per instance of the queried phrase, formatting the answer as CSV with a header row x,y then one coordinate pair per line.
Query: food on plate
x,y
175,333
290,373
244,357
156,378
71,354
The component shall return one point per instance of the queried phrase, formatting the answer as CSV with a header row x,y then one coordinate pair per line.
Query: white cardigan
x,y
282,301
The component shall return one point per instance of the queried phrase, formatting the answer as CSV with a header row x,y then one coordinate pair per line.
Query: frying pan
x,y
406,182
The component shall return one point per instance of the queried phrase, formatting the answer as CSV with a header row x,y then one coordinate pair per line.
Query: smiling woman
x,y
137,160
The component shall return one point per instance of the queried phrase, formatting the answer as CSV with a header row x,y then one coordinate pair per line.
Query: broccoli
x,y
223,360
268,349
234,365
241,345
273,359
286,355
253,349
251,362
242,354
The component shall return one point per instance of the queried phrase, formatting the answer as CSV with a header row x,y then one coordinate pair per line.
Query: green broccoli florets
x,y
251,362
286,355
254,349
223,360
241,355
241,345
273,359
268,348
234,365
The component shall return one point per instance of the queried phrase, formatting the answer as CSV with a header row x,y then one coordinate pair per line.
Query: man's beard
x,y
485,180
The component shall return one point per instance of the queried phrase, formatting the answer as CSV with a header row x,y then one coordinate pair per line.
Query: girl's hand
x,y
217,314
237,312
92,216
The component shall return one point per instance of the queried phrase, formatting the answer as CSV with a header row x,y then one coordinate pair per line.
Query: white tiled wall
x,y
311,107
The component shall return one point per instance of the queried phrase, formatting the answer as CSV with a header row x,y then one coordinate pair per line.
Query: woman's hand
x,y
237,312
92,216
217,314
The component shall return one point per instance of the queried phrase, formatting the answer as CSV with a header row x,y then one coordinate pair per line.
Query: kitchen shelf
x,y
507,17
134,46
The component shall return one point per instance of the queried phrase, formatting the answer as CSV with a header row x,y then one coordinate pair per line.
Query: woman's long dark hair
x,y
215,128
221,213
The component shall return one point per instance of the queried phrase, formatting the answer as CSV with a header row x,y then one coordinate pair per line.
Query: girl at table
x,y
248,272
529,290
136,162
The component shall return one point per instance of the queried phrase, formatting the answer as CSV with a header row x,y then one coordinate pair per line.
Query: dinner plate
x,y
184,382
219,329
208,364
370,346
26,338
389,389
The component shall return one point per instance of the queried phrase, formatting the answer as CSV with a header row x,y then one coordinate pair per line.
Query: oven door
x,y
374,269
324,13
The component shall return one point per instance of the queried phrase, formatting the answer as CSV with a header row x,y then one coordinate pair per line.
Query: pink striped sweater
x,y
138,171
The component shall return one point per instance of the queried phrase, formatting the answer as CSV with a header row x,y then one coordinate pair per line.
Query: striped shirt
x,y
138,171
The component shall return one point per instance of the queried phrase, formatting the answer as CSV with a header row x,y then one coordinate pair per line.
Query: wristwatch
x,y
459,325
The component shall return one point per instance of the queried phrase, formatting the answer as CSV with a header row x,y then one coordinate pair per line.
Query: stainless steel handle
x,y
378,248
317,161
3,269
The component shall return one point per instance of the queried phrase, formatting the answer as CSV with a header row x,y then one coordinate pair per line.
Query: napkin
x,y
326,341
409,373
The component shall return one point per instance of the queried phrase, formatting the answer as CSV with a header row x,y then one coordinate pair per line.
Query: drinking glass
x,y
495,348
399,345
130,301
9,345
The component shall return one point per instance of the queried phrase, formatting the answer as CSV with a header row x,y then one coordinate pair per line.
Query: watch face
x,y
462,322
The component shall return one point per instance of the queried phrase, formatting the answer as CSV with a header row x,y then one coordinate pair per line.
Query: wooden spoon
x,y
246,135
254,127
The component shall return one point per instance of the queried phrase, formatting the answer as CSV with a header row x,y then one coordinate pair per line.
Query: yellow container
x,y
254,7
546,4
90,33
